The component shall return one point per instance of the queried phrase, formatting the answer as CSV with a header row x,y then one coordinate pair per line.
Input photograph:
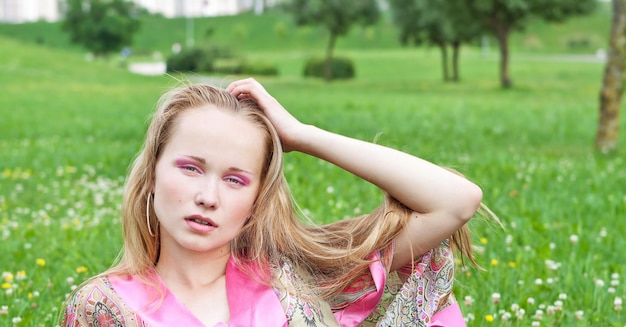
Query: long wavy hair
x,y
335,254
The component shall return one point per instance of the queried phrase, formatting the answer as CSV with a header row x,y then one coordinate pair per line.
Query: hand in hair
x,y
287,126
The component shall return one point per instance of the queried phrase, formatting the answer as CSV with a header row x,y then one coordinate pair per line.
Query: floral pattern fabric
x,y
97,305
412,296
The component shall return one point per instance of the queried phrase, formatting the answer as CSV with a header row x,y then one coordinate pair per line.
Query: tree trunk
x,y
456,53
502,34
444,61
613,82
328,71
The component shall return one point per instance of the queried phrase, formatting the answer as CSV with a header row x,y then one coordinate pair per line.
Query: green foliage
x,y
245,67
444,23
422,21
336,17
190,60
341,67
503,17
219,60
101,26
515,14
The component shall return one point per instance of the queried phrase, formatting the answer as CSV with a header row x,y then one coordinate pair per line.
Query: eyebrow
x,y
203,161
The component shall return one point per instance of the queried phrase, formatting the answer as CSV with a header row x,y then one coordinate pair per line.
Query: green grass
x,y
70,128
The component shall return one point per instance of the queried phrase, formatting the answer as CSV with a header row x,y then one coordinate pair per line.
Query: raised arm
x,y
441,200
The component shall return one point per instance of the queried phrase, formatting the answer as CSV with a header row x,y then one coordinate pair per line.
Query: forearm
x,y
420,185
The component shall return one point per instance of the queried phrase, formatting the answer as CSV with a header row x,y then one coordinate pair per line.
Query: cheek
x,y
168,189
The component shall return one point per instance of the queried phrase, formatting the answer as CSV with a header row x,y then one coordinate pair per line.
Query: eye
x,y
233,180
190,168
237,180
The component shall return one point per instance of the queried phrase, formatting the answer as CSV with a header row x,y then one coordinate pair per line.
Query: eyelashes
x,y
193,169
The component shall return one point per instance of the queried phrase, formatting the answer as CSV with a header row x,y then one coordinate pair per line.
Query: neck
x,y
192,269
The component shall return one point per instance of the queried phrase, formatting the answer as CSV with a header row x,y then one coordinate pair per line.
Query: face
x,y
207,180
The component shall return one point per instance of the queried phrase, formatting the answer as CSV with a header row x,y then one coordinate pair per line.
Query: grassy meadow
x,y
70,128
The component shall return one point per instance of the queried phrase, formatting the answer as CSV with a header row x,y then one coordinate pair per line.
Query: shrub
x,y
341,68
242,67
259,68
197,59
189,60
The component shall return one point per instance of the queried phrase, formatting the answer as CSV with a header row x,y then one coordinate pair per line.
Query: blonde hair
x,y
335,254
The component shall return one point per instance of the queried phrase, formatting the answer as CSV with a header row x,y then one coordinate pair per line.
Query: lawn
x,y
70,128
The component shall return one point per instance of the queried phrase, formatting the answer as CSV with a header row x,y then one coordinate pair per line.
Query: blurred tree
x,y
101,26
337,16
613,83
444,23
504,16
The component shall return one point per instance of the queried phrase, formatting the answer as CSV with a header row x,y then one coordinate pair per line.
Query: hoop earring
x,y
148,215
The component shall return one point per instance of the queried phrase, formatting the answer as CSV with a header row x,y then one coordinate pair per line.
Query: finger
x,y
244,81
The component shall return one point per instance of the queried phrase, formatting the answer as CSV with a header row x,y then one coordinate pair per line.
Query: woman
x,y
212,237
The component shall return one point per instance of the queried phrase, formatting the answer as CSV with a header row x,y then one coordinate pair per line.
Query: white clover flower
x,y
614,276
562,296
579,314
552,265
330,190
495,297
610,290
531,300
538,281
535,324
599,283
552,246
614,282
16,320
573,238
506,316
520,314
550,310
558,305
514,307
468,300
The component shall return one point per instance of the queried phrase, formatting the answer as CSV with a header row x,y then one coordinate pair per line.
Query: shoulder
x,y
96,303
301,305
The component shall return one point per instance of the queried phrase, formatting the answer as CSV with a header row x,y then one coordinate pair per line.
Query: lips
x,y
201,220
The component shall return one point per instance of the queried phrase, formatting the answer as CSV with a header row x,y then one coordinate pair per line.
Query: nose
x,y
208,194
